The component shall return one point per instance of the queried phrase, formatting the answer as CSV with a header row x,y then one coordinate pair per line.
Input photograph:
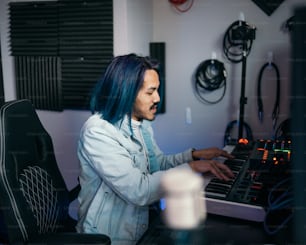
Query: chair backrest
x,y
33,194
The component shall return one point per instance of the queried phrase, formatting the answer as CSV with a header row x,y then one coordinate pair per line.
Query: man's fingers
x,y
221,171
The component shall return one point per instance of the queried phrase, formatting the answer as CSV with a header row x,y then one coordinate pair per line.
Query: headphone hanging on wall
x,y
210,75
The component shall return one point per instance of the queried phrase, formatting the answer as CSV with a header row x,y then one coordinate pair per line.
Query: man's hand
x,y
220,170
210,153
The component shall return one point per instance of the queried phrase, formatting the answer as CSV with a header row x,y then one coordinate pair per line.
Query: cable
x,y
177,3
210,75
283,131
279,203
275,112
235,36
228,139
288,25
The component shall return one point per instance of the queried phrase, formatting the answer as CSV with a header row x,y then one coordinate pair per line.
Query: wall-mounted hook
x,y
213,56
241,16
270,57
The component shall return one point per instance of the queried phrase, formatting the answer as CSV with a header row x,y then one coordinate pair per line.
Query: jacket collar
x,y
124,125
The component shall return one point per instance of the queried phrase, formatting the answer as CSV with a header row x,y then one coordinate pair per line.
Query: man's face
x,y
145,106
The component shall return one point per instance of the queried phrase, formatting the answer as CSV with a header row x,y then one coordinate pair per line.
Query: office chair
x,y
34,199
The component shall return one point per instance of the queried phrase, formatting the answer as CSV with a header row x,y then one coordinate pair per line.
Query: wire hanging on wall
x,y
210,75
238,34
275,112
182,5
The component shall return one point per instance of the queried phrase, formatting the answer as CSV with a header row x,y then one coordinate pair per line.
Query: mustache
x,y
155,105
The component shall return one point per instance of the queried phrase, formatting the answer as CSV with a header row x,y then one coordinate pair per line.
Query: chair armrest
x,y
73,193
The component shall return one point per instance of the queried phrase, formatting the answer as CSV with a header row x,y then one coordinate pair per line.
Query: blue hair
x,y
115,93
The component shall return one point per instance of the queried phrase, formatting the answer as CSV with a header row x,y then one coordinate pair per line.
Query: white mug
x,y
184,199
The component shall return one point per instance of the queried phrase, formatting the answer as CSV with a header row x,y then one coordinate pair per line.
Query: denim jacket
x,y
117,181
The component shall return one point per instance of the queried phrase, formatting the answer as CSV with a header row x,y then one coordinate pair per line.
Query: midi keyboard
x,y
258,167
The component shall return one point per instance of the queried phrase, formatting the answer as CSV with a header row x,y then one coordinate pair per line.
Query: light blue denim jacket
x,y
117,181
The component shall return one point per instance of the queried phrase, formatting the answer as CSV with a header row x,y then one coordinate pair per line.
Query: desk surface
x,y
216,230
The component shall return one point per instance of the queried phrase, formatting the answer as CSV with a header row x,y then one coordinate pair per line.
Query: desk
x,y
218,230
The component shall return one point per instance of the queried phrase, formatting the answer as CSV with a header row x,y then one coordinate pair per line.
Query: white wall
x,y
133,26
190,38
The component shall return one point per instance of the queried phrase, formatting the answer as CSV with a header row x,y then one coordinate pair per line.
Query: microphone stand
x,y
245,33
243,99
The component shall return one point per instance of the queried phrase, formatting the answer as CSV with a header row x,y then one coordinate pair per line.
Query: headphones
x,y
228,140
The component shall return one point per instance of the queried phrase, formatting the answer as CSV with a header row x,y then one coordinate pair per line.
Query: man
x,y
121,164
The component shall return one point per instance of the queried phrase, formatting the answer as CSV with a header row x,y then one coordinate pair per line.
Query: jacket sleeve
x,y
163,161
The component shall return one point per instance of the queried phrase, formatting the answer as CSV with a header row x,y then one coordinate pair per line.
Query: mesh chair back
x,y
34,197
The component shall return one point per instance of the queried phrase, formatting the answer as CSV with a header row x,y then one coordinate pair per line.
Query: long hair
x,y
115,93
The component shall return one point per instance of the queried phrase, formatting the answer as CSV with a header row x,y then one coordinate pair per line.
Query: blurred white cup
x,y
184,199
